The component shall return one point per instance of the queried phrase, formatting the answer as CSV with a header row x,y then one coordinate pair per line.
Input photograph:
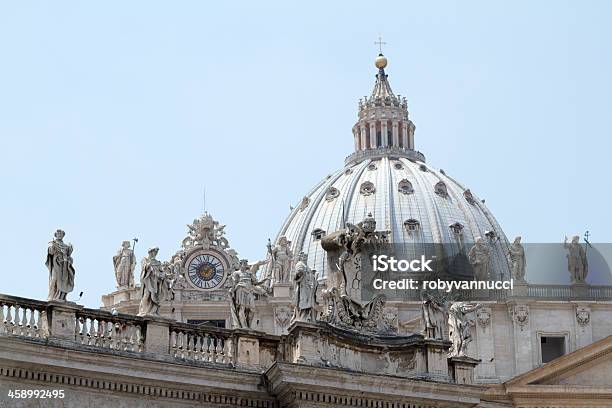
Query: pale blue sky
x,y
115,115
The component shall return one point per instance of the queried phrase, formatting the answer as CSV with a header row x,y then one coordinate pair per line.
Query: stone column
x,y
383,133
356,137
362,130
396,133
522,337
157,336
373,135
411,135
405,136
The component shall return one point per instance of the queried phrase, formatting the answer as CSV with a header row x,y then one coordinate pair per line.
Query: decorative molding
x,y
583,315
282,315
483,316
520,315
132,388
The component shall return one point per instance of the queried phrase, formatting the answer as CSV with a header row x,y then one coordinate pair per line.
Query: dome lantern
x,y
383,126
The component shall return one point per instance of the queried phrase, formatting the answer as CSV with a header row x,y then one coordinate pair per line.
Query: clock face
x,y
205,271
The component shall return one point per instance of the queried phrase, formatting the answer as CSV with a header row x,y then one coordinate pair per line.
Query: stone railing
x,y
573,292
104,330
201,343
22,317
67,323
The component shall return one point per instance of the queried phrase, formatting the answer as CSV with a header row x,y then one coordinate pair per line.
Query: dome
x,y
413,202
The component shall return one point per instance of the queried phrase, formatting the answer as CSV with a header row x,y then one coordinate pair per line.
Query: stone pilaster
x,y
486,343
405,141
584,329
522,337
362,131
395,133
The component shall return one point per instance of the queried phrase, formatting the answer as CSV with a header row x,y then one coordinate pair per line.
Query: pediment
x,y
588,366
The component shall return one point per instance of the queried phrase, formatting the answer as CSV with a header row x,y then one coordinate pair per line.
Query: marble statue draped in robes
x,y
124,263
305,292
152,284
59,264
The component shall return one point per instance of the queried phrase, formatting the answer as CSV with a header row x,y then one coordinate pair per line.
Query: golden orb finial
x,y
381,61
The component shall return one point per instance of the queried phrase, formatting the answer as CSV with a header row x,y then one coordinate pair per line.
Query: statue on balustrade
x,y
435,316
61,270
460,322
281,259
243,287
479,257
306,284
124,262
516,258
155,286
577,264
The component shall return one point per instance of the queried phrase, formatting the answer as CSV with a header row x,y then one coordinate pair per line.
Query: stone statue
x,y
282,258
243,286
516,258
435,316
346,251
154,287
577,264
306,284
124,263
460,323
205,232
59,264
479,257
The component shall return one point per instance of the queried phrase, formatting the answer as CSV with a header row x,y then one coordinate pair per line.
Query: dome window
x,y
398,166
348,171
317,234
422,167
412,225
440,189
367,188
332,193
405,187
467,194
491,235
372,167
457,228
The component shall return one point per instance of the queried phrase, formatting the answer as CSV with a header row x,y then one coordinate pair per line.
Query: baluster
x,y
190,345
139,339
30,322
173,343
218,350
125,336
19,321
78,329
2,321
98,337
197,349
206,348
9,320
179,340
228,351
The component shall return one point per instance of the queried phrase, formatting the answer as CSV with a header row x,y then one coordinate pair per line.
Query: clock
x,y
206,270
